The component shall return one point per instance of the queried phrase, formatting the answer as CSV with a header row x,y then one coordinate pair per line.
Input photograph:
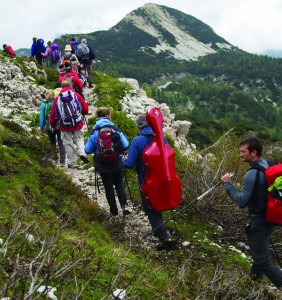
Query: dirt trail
x,y
132,227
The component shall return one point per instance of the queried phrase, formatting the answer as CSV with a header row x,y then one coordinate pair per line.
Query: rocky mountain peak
x,y
170,28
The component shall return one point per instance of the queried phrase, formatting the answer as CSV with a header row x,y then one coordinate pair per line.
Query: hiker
x,y
37,48
52,56
69,55
54,134
81,75
109,166
71,122
57,88
133,160
9,50
75,64
71,76
255,197
73,44
86,55
33,48
47,55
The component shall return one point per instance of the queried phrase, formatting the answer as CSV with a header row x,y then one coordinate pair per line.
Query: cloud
x,y
252,25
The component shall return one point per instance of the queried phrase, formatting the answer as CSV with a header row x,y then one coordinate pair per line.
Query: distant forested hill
x,y
181,61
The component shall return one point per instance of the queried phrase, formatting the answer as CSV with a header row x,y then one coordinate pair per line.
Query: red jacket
x,y
76,82
84,111
9,50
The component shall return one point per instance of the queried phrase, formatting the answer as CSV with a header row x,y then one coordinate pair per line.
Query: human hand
x,y
226,178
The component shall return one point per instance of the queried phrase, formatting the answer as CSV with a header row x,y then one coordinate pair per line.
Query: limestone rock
x,y
136,102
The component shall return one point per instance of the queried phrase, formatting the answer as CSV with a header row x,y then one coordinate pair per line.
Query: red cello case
x,y
161,186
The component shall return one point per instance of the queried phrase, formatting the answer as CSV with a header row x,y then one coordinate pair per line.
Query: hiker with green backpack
x,y
54,134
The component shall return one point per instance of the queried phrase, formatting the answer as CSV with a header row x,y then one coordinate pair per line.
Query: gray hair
x,y
84,41
65,83
140,121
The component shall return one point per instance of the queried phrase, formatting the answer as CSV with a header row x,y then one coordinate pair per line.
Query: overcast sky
x,y
252,25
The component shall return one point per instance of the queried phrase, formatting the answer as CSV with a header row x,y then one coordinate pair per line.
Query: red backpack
x,y
161,186
273,175
109,145
10,51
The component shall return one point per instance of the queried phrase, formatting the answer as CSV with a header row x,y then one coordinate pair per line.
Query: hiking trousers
x,y
73,142
54,137
258,234
89,73
156,221
111,180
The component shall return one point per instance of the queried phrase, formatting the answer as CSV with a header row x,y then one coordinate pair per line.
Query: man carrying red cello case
x,y
159,184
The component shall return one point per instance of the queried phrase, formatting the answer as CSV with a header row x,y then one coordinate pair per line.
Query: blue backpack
x,y
40,46
55,53
74,46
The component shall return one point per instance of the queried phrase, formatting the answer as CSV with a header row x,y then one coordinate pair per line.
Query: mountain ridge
x,y
172,33
154,31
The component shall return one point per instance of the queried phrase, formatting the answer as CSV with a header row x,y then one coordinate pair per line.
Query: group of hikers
x,y
111,165
77,56
62,115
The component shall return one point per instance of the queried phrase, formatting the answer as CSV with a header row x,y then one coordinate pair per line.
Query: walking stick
x,y
86,124
127,184
96,183
276,254
186,207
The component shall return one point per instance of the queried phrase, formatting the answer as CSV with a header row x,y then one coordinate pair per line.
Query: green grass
x,y
41,200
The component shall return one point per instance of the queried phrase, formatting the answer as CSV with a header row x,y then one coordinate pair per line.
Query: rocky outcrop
x,y
136,102
19,93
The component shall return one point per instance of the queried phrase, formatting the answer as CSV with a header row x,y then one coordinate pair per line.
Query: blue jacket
x,y
33,49
42,115
91,145
138,144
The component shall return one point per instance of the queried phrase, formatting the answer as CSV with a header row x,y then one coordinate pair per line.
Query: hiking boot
x,y
114,214
90,85
84,159
113,210
256,276
167,245
114,217
73,166
126,210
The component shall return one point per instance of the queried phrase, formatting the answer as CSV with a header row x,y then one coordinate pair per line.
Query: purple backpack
x,y
55,52
68,109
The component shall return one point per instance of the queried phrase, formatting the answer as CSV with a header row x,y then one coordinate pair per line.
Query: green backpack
x,y
48,107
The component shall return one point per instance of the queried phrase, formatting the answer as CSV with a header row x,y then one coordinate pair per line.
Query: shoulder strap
x,y
259,169
150,136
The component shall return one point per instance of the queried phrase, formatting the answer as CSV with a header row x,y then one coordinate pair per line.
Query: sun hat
x,y
68,48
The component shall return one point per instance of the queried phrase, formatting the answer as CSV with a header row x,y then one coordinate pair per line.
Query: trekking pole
x,y
186,207
86,123
96,183
127,184
276,254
